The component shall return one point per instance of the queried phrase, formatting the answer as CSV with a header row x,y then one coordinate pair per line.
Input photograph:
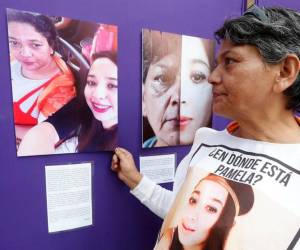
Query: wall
x,y
120,221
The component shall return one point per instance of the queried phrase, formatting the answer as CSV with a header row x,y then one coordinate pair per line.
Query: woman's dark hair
x,y
41,23
219,233
91,135
275,32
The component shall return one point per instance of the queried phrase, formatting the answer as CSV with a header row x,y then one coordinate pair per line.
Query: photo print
x,y
176,95
64,78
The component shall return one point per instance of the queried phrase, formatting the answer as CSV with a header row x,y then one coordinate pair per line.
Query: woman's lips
x,y
174,121
187,228
184,121
178,122
100,108
218,94
27,63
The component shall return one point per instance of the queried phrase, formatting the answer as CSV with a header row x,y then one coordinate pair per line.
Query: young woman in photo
x,y
208,215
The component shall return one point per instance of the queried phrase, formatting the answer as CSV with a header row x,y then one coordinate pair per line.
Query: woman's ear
x,y
52,52
143,101
288,73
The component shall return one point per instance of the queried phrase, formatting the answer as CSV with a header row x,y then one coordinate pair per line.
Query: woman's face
x,y
202,211
195,91
161,99
29,47
101,91
176,94
242,82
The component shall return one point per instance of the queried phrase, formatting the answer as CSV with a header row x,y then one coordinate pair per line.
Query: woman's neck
x,y
47,71
280,129
194,247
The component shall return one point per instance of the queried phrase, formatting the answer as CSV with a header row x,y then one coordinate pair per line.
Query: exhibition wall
x,y
119,220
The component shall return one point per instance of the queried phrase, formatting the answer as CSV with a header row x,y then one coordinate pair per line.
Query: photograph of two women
x,y
64,79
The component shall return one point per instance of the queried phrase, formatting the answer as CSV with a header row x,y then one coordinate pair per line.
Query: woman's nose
x,y
175,92
25,51
100,92
192,215
214,77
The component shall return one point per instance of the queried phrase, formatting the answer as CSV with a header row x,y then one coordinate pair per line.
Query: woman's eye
x,y
36,45
211,209
14,43
112,85
228,61
192,201
162,79
165,78
91,83
197,77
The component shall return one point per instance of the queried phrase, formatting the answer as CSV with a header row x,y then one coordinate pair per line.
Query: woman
x,y
41,81
175,72
256,83
208,215
95,125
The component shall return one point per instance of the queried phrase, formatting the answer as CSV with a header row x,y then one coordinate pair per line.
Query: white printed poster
x,y
159,168
69,196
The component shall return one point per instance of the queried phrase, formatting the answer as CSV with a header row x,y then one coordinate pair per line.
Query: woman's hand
x,y
123,164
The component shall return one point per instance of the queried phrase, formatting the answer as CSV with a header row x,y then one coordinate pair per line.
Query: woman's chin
x,y
109,125
186,138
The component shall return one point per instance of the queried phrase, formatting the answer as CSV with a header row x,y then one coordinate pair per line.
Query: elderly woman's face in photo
x,y
241,81
176,94
28,46
101,91
201,212
195,91
161,99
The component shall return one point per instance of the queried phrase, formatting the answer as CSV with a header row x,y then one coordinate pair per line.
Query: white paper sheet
x,y
69,196
159,168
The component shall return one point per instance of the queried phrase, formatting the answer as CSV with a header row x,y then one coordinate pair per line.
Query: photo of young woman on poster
x,y
41,81
208,215
97,127
175,72
89,121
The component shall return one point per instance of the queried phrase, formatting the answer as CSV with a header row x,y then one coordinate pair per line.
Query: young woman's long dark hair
x,y
91,134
